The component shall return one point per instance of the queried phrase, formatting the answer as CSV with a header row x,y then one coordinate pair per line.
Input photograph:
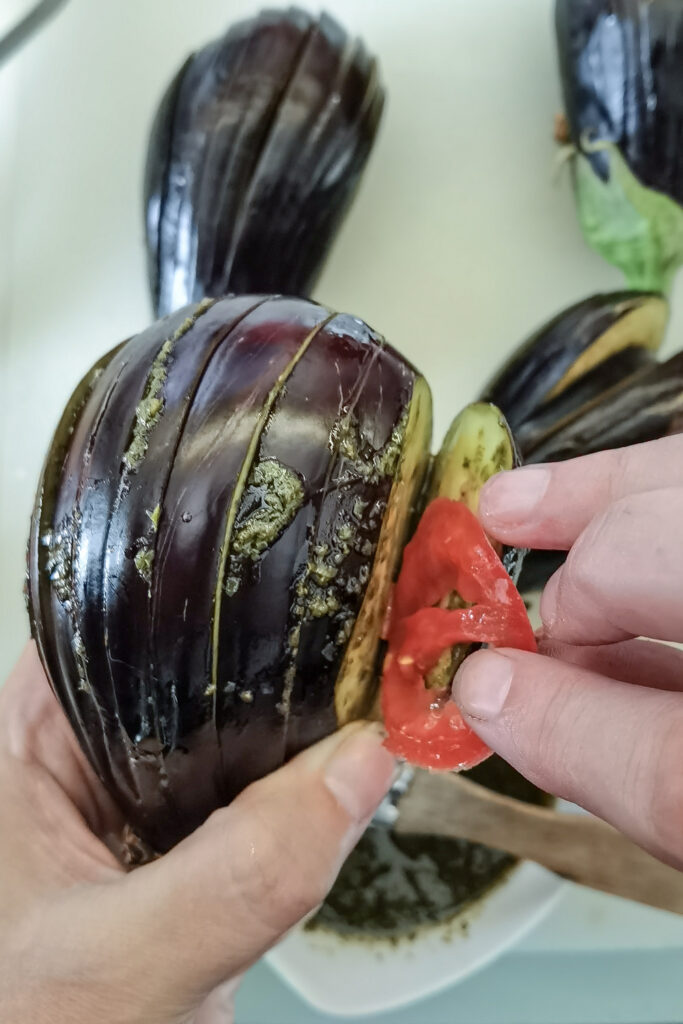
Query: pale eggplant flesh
x,y
254,157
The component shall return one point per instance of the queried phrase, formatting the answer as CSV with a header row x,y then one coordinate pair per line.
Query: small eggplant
x,y
586,381
621,64
642,407
570,348
216,531
254,157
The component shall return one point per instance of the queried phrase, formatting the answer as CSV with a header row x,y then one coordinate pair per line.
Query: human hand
x,y
597,716
82,940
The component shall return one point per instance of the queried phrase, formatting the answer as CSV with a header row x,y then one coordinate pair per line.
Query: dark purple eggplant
x,y
568,404
586,381
645,406
572,345
219,521
642,407
621,64
254,157
222,513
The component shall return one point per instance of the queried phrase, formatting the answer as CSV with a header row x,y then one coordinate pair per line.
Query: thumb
x,y
222,897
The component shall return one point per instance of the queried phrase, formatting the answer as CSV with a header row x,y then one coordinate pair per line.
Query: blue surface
x,y
595,988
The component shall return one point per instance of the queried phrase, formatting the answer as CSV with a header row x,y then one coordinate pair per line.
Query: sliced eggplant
x,y
216,532
569,404
644,407
573,344
478,445
254,156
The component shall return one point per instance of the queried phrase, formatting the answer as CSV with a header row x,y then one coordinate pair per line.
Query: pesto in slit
x,y
391,885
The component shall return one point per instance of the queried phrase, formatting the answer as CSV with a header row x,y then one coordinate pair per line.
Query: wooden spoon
x,y
576,846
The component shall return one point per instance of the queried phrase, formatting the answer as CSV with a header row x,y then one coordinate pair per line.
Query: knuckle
x,y
276,877
588,562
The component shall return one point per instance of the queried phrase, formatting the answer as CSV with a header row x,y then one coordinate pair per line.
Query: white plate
x,y
350,978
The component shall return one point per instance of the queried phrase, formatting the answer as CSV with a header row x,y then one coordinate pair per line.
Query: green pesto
x,y
151,404
143,563
367,463
633,227
391,886
154,516
322,603
281,496
58,562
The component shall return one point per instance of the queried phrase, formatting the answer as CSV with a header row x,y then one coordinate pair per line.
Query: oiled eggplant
x,y
571,345
645,406
568,404
217,527
642,407
254,156
621,64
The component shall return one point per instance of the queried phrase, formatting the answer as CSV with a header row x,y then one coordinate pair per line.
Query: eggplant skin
x,y
254,156
203,541
571,346
621,64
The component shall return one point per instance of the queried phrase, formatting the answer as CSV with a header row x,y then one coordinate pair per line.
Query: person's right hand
x,y
597,716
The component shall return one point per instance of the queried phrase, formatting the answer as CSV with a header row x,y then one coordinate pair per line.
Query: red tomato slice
x,y
449,552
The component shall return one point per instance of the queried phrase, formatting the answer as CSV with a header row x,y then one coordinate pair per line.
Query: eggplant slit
x,y
238,492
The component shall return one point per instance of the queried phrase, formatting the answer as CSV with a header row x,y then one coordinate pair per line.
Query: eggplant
x,y
621,67
572,347
220,518
643,407
255,154
222,513
585,381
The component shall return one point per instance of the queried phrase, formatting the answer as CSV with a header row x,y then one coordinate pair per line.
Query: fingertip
x,y
360,772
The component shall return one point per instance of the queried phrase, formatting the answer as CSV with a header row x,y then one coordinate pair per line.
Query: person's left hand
x,y
85,942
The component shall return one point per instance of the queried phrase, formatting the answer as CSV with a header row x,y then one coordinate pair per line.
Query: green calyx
x,y
635,228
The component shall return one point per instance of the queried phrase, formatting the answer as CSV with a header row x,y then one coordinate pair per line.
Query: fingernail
x,y
510,498
548,606
481,685
360,772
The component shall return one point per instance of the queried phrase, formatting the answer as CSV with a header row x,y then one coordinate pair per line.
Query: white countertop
x,y
459,244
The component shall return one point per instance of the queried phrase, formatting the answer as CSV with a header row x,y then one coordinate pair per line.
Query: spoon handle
x,y
579,847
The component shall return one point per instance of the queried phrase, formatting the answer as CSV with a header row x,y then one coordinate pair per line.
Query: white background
x,y
459,244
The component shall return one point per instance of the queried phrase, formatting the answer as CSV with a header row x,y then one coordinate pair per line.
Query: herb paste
x,y
392,885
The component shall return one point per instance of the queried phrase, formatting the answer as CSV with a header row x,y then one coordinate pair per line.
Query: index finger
x,y
550,504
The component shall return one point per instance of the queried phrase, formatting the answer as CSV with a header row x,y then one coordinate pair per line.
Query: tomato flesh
x,y
449,552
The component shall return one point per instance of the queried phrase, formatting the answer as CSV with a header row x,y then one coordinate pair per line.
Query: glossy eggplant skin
x,y
203,541
621,64
643,407
570,346
585,381
254,156
639,407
